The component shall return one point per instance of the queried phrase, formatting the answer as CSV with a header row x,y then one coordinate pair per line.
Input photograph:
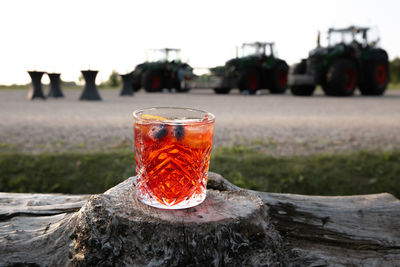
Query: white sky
x,y
67,35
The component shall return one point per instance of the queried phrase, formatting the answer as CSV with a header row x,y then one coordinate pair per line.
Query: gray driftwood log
x,y
233,227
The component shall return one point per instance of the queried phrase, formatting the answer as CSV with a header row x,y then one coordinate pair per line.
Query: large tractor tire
x,y
376,77
249,80
136,86
222,90
301,90
153,81
136,82
341,79
279,77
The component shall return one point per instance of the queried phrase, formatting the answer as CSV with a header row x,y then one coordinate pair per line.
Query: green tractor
x,y
257,68
163,70
348,61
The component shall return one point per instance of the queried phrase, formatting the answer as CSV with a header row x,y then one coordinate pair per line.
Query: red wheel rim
x,y
351,79
381,74
155,82
282,78
253,82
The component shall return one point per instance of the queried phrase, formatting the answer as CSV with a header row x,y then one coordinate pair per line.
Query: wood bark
x,y
232,227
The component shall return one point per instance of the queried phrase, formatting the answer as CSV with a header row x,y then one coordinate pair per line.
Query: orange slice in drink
x,y
153,117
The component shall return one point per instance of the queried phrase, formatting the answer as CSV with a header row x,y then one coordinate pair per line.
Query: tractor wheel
x,y
302,90
249,80
341,79
153,81
222,90
279,78
136,82
376,77
136,86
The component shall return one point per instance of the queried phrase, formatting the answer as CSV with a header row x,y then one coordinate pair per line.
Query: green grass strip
x,y
341,174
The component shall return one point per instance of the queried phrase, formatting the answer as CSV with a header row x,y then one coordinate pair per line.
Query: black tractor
x,y
257,68
349,61
164,70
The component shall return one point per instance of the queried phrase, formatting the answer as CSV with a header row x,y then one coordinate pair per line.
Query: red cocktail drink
x,y
172,149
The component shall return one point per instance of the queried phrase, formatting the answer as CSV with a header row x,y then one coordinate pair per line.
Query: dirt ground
x,y
277,124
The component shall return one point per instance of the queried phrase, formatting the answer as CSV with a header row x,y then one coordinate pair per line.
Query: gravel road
x,y
277,124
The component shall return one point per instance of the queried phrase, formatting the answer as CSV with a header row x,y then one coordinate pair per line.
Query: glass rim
x,y
210,117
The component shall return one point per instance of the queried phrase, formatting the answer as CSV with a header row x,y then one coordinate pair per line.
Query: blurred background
x,y
67,36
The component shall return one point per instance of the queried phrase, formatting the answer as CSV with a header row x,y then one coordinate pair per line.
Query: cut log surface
x,y
232,227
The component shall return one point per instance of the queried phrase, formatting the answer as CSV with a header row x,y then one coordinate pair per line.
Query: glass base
x,y
191,202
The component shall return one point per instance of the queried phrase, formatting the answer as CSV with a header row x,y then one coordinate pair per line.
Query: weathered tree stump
x,y
55,88
90,91
36,91
232,227
127,85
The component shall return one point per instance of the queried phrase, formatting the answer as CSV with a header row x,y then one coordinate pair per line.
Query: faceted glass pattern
x,y
172,159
